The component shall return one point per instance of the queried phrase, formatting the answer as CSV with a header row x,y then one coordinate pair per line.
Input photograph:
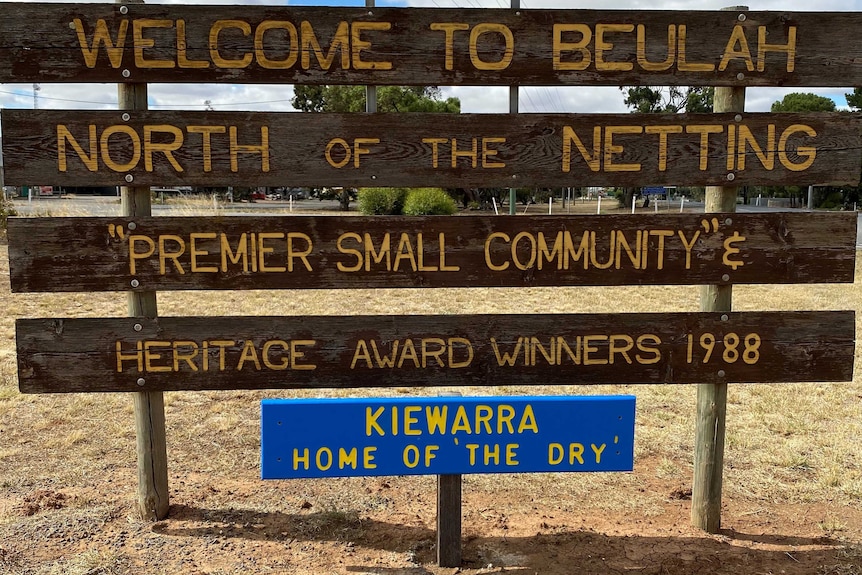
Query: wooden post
x,y
449,520
513,109
712,398
449,514
370,91
153,497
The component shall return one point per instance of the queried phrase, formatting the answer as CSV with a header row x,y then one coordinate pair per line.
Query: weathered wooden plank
x,y
449,150
48,42
123,354
308,252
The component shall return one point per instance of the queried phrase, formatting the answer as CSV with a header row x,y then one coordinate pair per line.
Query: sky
x,y
474,99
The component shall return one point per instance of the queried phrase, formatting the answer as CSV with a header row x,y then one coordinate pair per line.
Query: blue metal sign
x,y
654,190
445,435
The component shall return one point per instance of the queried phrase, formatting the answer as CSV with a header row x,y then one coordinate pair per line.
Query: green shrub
x,y
832,201
6,210
381,201
429,202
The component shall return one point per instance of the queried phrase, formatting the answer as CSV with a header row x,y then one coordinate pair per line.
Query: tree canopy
x,y
803,102
389,99
854,100
671,99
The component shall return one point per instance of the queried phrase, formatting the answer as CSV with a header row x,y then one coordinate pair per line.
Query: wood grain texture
x,y
93,254
449,520
39,43
711,416
81,355
416,150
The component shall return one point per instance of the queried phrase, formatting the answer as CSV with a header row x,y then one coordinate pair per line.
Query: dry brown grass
x,y
787,444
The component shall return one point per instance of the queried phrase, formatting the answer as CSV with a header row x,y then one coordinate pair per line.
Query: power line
x,y
155,105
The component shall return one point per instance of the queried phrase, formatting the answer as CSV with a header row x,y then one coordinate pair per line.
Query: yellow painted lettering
x,y
579,47
340,43
101,36
141,43
358,45
528,421
807,152
216,29
610,149
763,48
602,46
449,29
371,421
91,160
491,28
593,160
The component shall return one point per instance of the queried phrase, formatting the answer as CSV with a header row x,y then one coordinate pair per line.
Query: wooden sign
x,y
302,252
44,42
174,353
412,150
350,437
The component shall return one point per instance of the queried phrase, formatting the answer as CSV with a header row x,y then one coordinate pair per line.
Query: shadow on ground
x,y
564,551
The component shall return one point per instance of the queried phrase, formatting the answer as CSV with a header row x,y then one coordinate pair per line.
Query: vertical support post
x,y
449,515
149,406
370,91
513,109
449,520
712,398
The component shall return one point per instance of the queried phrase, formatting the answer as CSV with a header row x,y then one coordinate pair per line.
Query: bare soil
x,y
793,471
223,524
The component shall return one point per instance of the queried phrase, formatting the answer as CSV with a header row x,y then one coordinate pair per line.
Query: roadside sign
x,y
434,436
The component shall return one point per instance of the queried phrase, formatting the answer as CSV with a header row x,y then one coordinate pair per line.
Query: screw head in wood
x,y
138,327
126,73
129,178
126,117
124,10
724,317
731,177
741,17
725,278
133,226
141,381
135,283
740,76
721,373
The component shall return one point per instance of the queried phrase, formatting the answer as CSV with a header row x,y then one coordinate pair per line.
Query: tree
x,y
671,99
668,100
799,102
308,98
854,100
389,99
803,102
